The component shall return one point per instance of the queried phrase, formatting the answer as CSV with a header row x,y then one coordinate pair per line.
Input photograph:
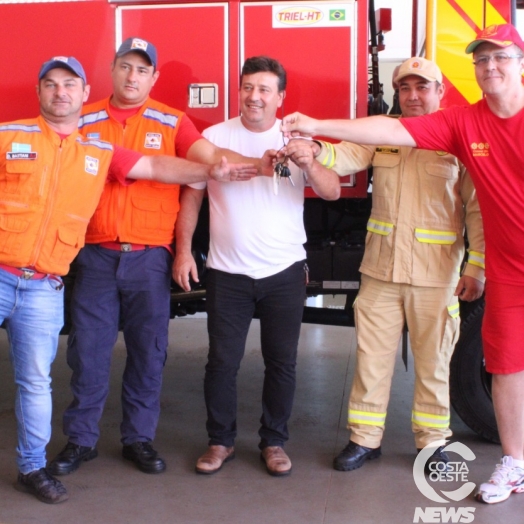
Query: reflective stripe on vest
x,y
429,236
429,420
454,310
163,118
381,228
20,127
95,143
93,118
331,155
366,417
476,259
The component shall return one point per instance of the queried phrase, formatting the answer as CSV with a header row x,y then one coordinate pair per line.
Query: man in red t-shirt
x,y
487,138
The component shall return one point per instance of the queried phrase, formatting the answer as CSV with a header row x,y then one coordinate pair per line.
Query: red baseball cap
x,y
502,35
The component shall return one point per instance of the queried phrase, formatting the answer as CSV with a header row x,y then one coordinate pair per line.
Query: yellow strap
x,y
454,310
429,236
368,418
378,227
429,420
331,155
477,259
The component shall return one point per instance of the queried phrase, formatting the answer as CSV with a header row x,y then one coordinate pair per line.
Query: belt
x,y
126,247
24,272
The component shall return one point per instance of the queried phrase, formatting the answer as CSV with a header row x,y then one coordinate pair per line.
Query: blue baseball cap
x,y
134,44
63,62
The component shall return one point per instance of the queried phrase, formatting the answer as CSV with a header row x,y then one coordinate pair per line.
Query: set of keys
x,y
281,170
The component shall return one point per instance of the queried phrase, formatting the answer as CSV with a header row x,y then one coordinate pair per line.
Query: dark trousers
x,y
231,302
110,284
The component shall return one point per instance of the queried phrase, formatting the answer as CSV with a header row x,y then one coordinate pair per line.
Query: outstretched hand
x,y
296,124
226,172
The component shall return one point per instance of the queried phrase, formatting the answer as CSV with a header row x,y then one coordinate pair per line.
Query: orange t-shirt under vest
x,y
144,212
49,189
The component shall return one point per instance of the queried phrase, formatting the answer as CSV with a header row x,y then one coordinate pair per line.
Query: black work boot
x,y
70,458
144,456
437,462
353,456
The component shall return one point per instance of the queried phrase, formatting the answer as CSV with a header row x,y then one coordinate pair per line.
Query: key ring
x,y
281,170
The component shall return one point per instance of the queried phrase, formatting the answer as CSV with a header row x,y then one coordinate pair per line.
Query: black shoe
x,y
70,458
438,461
353,457
41,484
144,456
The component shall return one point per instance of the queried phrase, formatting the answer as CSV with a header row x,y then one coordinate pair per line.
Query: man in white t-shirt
x,y
256,261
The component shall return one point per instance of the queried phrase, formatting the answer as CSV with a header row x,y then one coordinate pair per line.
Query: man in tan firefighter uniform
x,y
410,273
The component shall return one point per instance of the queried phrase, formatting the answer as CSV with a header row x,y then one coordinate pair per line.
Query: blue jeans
x,y
34,314
231,302
109,286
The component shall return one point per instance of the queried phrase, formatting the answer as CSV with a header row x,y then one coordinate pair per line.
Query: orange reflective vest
x,y
49,189
144,212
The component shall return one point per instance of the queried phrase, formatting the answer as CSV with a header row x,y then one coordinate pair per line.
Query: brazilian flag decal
x,y
337,14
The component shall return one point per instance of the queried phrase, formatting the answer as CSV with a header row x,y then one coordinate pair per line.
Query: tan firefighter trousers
x,y
381,309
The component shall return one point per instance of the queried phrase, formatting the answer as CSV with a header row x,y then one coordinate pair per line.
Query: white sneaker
x,y
506,479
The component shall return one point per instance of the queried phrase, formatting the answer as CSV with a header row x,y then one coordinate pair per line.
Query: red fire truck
x,y
330,50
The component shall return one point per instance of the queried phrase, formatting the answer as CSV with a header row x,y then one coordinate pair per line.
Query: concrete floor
x,y
109,490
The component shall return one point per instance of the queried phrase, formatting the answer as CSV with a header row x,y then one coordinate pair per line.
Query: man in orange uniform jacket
x,y
51,179
124,271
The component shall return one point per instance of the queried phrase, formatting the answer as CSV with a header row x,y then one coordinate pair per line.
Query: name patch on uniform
x,y
20,156
93,135
91,165
20,152
153,140
388,150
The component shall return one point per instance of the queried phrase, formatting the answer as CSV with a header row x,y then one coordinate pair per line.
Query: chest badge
x,y
91,165
153,141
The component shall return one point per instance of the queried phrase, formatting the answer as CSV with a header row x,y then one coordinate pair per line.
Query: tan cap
x,y
419,66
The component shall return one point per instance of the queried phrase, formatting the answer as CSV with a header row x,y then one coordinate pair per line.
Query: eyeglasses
x,y
500,59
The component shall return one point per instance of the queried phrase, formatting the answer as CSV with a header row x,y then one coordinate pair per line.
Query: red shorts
x,y
503,328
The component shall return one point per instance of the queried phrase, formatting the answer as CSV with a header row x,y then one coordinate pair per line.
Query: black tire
x,y
470,383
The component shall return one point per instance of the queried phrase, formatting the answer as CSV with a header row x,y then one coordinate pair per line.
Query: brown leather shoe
x,y
277,461
213,459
